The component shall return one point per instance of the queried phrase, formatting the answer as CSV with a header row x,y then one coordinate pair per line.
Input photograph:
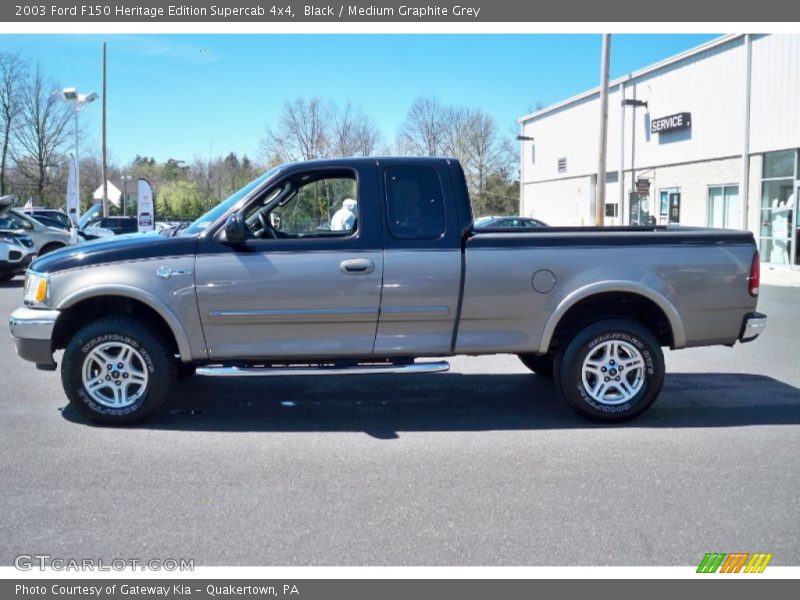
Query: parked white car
x,y
45,239
16,253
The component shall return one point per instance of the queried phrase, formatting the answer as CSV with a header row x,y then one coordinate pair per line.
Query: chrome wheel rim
x,y
115,374
613,372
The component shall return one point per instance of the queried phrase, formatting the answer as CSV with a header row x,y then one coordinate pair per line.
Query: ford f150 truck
x,y
361,266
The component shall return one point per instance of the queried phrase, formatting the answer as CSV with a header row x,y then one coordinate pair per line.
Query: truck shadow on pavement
x,y
385,406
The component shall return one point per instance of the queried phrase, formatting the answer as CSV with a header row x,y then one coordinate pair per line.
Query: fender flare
x,y
126,291
674,318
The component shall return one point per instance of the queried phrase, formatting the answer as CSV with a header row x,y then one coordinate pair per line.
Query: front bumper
x,y
17,268
753,325
32,330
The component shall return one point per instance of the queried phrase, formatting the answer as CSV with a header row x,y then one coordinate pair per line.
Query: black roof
x,y
341,162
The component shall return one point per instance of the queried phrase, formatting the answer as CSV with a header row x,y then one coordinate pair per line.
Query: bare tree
x,y
421,132
368,136
456,125
344,132
353,132
42,132
301,133
12,74
483,149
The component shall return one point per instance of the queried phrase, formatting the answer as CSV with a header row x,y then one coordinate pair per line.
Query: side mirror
x,y
235,230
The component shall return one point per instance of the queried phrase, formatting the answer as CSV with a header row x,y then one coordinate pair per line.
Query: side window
x,y
414,203
9,221
308,207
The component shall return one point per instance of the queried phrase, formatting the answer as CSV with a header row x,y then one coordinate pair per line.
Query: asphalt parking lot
x,y
480,466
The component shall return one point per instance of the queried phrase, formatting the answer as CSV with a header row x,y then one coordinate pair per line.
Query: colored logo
x,y
736,562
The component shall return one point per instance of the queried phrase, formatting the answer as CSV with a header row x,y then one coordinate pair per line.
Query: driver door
x,y
295,288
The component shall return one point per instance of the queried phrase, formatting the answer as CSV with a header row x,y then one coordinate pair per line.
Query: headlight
x,y
37,288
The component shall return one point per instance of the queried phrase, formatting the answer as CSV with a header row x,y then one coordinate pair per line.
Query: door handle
x,y
357,266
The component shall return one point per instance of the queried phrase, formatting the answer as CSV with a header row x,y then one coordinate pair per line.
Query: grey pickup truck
x,y
361,266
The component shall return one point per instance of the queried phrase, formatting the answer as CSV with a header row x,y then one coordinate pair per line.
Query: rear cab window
x,y
414,203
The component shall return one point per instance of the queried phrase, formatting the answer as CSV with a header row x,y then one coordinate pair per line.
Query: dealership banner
x,y
145,207
470,11
385,589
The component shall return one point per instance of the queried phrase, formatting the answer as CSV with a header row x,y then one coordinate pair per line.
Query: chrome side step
x,y
364,369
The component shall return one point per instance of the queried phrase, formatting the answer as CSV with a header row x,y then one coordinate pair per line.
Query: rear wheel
x,y
611,370
116,370
541,364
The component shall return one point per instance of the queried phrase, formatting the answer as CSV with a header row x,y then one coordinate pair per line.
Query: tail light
x,y
754,279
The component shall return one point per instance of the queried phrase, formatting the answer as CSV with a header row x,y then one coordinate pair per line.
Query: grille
x,y
14,255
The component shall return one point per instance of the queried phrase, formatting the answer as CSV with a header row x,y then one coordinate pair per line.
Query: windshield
x,y
223,207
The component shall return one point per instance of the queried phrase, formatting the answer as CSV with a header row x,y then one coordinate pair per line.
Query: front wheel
x,y
117,370
612,370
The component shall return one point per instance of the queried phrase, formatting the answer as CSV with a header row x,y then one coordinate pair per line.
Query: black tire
x,y
570,363
157,360
185,370
47,248
541,364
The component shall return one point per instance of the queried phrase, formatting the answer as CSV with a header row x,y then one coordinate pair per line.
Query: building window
x,y
723,210
779,164
778,205
612,210
533,154
562,165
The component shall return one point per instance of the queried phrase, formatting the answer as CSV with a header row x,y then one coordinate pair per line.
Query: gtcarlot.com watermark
x,y
44,562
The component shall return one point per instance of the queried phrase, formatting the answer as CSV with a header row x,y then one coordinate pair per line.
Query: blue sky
x,y
177,96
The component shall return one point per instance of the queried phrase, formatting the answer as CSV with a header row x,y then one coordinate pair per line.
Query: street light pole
x,y
125,180
79,102
77,161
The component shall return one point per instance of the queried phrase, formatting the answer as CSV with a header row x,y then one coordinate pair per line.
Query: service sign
x,y
671,123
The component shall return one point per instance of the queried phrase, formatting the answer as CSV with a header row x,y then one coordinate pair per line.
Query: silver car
x,y
45,239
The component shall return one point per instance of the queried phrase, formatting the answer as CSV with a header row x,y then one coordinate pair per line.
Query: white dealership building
x,y
709,137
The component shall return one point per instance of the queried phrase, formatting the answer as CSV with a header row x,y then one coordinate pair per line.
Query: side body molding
x,y
674,318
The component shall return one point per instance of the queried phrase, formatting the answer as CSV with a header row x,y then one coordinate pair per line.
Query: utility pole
x,y
105,154
600,195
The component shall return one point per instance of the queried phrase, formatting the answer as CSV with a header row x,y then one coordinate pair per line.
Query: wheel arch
x,y
81,306
49,247
622,299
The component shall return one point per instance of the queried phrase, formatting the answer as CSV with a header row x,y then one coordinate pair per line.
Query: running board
x,y
267,371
